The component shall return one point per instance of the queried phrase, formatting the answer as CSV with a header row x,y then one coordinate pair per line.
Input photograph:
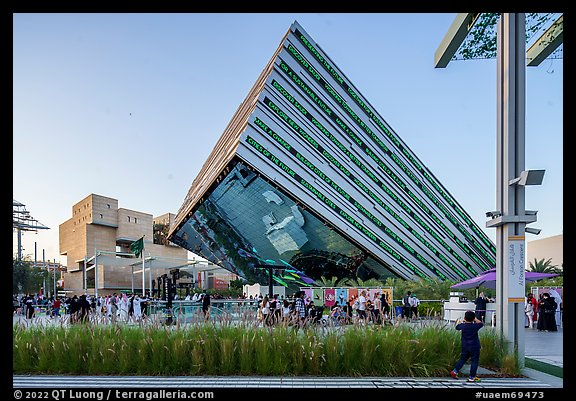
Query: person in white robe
x,y
123,309
137,308
108,305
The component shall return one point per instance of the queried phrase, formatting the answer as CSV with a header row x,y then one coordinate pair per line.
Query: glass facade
x,y
246,224
309,178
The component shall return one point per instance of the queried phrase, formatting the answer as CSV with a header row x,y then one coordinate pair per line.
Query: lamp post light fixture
x,y
532,230
528,177
511,178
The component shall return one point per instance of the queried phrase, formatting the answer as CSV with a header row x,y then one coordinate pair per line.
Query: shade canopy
x,y
488,279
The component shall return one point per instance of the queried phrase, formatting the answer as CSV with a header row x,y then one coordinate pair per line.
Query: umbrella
x,y
488,279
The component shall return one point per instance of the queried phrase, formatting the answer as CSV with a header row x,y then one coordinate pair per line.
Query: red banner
x,y
329,297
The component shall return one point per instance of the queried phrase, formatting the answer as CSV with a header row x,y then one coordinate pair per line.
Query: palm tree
x,y
332,282
542,266
358,282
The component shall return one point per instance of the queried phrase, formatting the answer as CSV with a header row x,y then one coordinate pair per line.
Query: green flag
x,y
137,247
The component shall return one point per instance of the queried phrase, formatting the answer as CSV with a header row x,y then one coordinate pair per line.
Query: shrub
x,y
423,350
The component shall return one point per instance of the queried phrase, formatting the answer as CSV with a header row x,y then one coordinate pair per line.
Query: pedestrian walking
x,y
377,310
123,308
362,306
29,302
414,303
534,302
299,309
481,302
547,316
265,308
137,308
406,307
56,308
529,311
206,305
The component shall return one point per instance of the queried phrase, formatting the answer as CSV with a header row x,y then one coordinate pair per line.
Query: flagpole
x,y
138,248
143,275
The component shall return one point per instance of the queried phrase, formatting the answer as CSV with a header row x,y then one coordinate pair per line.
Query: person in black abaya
x,y
29,302
83,309
547,316
481,303
74,309
206,305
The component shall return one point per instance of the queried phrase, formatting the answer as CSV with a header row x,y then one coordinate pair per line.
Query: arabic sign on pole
x,y
516,272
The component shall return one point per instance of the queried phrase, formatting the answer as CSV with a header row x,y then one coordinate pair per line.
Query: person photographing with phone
x,y
470,345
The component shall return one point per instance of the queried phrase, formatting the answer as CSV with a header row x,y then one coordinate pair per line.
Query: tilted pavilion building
x,y
309,179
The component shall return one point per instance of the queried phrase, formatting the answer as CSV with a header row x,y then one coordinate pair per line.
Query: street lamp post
x,y
511,218
270,269
54,276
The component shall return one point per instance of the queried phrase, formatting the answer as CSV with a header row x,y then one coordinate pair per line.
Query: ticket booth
x,y
458,304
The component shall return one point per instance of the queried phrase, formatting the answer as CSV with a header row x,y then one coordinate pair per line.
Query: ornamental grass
x,y
246,348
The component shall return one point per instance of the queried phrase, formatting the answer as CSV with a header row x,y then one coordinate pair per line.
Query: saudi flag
x,y
137,247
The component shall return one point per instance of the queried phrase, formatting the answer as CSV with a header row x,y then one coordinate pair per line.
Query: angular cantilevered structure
x,y
309,180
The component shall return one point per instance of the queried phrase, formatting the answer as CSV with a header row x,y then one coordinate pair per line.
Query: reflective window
x,y
246,224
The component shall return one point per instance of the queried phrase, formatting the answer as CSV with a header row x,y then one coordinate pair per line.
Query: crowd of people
x,y
299,309
302,310
124,307
410,305
541,312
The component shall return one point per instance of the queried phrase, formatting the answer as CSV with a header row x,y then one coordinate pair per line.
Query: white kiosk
x,y
256,289
458,304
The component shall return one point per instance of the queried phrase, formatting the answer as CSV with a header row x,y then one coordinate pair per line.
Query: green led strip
x,y
284,67
287,120
260,124
291,74
371,175
390,135
373,117
252,142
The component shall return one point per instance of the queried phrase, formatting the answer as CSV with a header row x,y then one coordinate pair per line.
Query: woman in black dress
x,y
29,302
547,316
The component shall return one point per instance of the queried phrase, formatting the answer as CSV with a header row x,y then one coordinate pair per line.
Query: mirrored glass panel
x,y
247,226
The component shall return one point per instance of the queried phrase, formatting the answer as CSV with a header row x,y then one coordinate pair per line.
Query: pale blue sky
x,y
130,105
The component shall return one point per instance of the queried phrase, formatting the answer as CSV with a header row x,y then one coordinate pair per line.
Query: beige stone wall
x,y
74,281
104,210
546,248
165,251
166,218
72,242
120,277
97,223
133,225
66,240
79,236
101,238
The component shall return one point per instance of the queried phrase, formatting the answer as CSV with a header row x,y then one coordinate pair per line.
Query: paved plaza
x,y
151,382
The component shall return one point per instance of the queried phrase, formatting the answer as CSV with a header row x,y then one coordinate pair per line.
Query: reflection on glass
x,y
247,224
